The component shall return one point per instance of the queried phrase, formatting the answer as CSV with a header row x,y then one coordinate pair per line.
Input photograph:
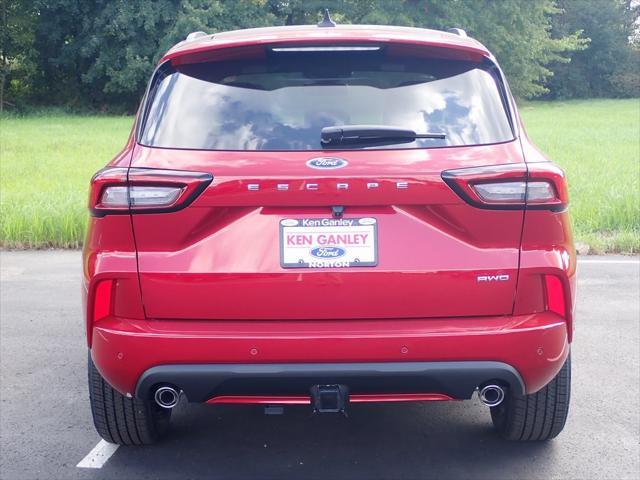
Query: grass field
x,y
46,163
45,166
597,142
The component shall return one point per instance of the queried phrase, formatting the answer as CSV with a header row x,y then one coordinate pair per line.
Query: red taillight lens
x,y
555,295
513,186
102,300
141,190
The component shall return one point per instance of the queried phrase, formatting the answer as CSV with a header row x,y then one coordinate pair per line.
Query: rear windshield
x,y
283,100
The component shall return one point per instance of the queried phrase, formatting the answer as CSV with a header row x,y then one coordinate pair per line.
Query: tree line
x,y
98,54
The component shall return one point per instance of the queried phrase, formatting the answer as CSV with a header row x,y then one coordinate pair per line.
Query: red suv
x,y
328,215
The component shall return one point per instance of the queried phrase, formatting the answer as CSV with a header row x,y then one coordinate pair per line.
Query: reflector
x,y
555,295
102,300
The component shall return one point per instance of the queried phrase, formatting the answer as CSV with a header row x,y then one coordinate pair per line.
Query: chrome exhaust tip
x,y
167,397
491,395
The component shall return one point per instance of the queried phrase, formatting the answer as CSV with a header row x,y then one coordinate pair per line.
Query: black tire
x,y
123,420
539,416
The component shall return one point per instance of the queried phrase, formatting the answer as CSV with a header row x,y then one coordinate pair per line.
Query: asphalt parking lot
x,y
46,429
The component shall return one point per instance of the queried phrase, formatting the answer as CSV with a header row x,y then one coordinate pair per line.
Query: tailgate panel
x,y
220,257
428,266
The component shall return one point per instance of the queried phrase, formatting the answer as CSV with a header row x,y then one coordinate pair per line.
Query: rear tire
x,y
123,420
539,416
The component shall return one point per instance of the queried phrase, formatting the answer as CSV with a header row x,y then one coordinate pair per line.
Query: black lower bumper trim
x,y
202,382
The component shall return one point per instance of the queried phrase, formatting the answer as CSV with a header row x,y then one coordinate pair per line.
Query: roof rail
x,y
457,31
194,35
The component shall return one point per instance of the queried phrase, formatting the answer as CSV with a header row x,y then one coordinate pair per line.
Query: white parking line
x,y
630,261
97,457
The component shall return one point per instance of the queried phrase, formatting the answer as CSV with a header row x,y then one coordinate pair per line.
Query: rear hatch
x,y
290,228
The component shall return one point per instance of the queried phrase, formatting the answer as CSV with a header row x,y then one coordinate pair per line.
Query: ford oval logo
x,y
327,163
367,221
328,252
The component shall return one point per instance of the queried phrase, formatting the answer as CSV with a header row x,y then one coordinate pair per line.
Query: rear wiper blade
x,y
371,133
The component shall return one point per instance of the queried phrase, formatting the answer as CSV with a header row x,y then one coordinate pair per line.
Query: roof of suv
x,y
340,33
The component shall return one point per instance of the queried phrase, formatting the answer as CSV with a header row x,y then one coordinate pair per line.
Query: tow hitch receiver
x,y
329,398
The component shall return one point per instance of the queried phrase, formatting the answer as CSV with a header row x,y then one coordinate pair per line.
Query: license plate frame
x,y
317,252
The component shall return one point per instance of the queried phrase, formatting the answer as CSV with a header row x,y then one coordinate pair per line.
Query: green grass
x,y
46,162
597,142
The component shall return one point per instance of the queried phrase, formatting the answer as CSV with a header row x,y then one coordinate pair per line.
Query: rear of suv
x,y
328,215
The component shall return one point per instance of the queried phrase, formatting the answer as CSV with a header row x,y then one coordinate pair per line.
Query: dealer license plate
x,y
328,242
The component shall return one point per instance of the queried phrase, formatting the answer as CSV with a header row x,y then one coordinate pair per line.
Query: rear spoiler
x,y
197,51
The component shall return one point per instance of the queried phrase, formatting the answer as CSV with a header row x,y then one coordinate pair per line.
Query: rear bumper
x,y
440,356
451,380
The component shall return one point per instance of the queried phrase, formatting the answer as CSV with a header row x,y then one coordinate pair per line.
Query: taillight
x,y
142,190
139,196
513,186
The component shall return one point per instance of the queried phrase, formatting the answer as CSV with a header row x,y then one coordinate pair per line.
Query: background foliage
x,y
98,54
610,66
